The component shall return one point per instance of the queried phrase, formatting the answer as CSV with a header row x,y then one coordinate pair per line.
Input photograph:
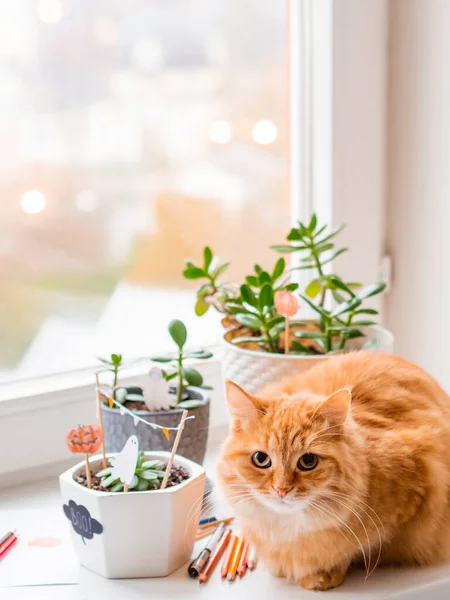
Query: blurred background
x,y
132,133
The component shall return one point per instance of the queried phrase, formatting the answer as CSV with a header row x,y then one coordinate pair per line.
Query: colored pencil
x,y
197,566
6,536
7,545
243,562
216,523
202,533
220,549
228,556
231,575
252,559
207,520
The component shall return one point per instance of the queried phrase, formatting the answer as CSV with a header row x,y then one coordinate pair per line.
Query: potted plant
x,y
255,341
146,529
170,390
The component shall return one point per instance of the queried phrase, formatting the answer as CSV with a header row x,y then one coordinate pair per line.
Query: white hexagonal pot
x,y
134,534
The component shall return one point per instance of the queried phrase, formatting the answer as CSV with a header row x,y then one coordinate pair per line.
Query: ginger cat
x,y
347,463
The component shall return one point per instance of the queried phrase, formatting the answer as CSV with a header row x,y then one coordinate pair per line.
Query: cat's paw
x,y
323,580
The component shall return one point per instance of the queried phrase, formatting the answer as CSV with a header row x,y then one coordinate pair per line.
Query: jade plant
x,y
250,309
146,474
121,394
175,363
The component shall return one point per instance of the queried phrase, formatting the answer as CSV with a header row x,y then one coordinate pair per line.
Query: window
x,y
132,133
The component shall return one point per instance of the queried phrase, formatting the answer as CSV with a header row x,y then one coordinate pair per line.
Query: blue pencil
x,y
208,520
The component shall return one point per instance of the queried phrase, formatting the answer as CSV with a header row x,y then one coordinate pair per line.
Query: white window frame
x,y
337,122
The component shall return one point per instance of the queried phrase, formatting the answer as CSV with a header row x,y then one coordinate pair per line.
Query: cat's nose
x,y
282,491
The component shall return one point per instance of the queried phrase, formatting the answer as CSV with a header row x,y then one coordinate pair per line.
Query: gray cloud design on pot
x,y
81,520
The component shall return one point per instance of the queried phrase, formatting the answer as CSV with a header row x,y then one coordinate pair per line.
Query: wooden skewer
x,y
88,472
100,418
216,523
125,487
286,336
174,449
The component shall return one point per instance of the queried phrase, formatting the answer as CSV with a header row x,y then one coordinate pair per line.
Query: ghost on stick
x,y
124,464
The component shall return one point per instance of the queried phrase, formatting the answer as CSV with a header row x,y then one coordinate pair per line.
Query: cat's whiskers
x,y
328,515
333,512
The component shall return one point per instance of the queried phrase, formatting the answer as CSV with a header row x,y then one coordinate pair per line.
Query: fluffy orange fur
x,y
380,493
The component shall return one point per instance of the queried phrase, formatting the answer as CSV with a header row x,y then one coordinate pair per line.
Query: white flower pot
x,y
252,369
134,534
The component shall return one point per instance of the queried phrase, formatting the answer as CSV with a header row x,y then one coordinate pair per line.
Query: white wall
x,y
418,211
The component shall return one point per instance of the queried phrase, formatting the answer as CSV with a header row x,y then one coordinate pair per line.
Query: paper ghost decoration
x,y
125,462
157,396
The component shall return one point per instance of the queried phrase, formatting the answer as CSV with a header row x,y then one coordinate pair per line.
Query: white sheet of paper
x,y
25,564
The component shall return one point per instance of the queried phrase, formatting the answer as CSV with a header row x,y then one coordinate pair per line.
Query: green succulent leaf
x,y
278,270
292,287
105,472
283,249
266,296
194,273
200,354
264,277
116,488
366,311
313,223
116,359
309,335
317,309
372,290
313,289
134,483
152,464
220,269
252,281
109,481
193,377
346,307
363,323
300,348
148,475
188,404
249,321
330,235
247,295
162,359
142,485
207,257
337,282
178,332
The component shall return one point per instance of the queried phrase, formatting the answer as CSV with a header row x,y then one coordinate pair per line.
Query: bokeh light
x,y
33,202
264,132
220,132
50,11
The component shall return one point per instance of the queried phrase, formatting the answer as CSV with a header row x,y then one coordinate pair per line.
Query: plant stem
x,y
180,377
319,271
342,341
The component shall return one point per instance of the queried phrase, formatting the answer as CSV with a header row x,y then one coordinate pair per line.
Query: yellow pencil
x,y
231,575
228,556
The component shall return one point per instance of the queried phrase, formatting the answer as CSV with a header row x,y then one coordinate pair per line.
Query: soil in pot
x,y
177,475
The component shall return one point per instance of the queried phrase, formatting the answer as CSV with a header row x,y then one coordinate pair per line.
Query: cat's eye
x,y
261,460
307,462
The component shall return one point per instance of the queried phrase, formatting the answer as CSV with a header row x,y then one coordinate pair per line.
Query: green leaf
x,y
134,483
249,321
314,288
105,472
193,377
152,464
207,257
178,333
363,323
220,269
109,481
278,269
257,339
188,404
257,269
248,295
201,307
313,223
337,282
317,309
366,311
335,255
201,354
161,359
300,348
309,335
206,387
277,329
331,235
346,306
104,360
234,308
304,267
275,321
117,488
264,277
252,280
372,290
323,248
286,249
354,333
295,235
171,376
116,359
148,475
142,485
266,296
194,273
291,287
135,397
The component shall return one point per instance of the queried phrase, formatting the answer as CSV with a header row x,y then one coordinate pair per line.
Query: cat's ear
x,y
335,408
243,407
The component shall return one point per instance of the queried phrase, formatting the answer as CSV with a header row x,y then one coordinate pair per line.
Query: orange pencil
x,y
243,562
228,556
211,565
236,558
